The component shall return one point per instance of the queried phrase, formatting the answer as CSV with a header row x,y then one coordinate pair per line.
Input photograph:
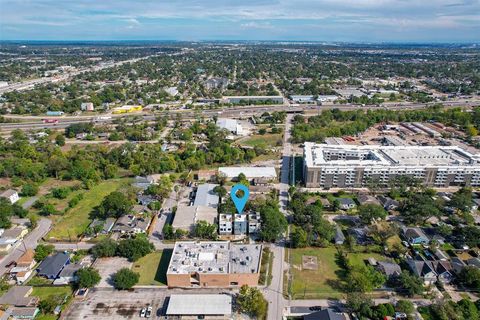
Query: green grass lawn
x,y
45,292
268,140
153,268
74,222
324,282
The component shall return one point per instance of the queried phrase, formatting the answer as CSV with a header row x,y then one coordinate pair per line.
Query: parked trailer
x,y
54,121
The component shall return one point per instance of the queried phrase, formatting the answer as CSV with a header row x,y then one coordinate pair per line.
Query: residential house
x,y
364,199
19,296
440,255
346,203
139,209
388,203
390,269
415,235
11,236
423,269
457,264
474,262
339,236
360,234
325,203
11,195
25,264
254,222
325,314
225,224
51,267
444,271
22,312
68,274
240,224
129,224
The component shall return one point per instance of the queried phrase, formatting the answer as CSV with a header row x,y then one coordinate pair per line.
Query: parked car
x,y
149,312
143,313
11,264
315,308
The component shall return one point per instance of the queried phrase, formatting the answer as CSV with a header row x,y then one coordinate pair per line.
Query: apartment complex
x,y
344,166
214,264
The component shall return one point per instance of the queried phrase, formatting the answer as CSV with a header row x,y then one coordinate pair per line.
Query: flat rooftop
x,y
199,304
214,257
187,216
206,196
249,172
324,155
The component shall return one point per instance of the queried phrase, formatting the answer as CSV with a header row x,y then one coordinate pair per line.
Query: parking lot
x,y
106,303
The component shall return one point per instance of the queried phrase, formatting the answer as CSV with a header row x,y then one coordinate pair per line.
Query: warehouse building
x,y
214,264
344,166
199,306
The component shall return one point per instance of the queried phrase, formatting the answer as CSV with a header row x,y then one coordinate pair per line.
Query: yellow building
x,y
127,109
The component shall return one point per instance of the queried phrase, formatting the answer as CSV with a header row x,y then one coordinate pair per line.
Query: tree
x,y
88,277
116,204
49,304
42,251
29,190
370,212
125,279
220,191
359,302
405,306
470,277
462,200
60,140
298,238
468,309
274,223
410,284
205,230
251,301
105,248
364,279
134,249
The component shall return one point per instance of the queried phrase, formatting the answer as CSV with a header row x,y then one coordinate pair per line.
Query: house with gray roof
x,y
325,314
51,266
346,203
339,236
423,269
415,235
390,269
19,296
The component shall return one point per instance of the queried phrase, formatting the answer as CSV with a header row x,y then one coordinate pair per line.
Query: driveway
x,y
29,242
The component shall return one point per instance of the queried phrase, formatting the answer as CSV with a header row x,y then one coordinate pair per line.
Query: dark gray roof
x,y
52,265
346,201
18,296
339,236
326,314
70,270
390,268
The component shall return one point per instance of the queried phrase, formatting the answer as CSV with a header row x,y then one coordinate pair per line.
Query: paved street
x,y
29,242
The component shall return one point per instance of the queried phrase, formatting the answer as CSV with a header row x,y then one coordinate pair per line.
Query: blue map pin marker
x,y
239,202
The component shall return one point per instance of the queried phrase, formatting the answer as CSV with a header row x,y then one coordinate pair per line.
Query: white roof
x,y
249,172
199,304
206,196
231,125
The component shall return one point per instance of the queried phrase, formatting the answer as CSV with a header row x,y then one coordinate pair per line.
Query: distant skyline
x,y
192,20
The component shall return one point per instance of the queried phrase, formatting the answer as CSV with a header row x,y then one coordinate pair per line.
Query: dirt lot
x,y
107,267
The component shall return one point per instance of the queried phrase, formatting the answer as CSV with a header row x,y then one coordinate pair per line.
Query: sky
x,y
292,20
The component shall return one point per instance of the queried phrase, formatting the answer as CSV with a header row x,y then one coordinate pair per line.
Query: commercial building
x,y
127,109
200,306
206,196
249,172
355,166
87,106
231,125
214,264
187,217
253,99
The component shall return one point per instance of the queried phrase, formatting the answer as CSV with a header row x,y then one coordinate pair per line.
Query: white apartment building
x,y
343,166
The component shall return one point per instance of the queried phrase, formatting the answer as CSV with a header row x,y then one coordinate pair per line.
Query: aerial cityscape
x,y
215,170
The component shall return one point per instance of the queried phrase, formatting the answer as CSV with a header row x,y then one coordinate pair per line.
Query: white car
x,y
149,312
143,313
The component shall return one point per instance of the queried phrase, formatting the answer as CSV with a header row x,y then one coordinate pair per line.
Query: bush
x,y
42,251
61,193
88,277
29,190
105,248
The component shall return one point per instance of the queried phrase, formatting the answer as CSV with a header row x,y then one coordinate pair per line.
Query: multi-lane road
x,y
36,122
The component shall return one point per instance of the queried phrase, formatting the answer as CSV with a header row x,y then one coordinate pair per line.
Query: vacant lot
x,y
268,140
107,267
45,292
74,222
153,268
323,282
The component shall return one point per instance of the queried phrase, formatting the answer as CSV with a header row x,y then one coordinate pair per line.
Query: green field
x,y
153,268
324,282
267,140
74,222
44,292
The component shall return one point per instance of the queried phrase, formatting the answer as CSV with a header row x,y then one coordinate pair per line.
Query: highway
x,y
35,122
30,84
